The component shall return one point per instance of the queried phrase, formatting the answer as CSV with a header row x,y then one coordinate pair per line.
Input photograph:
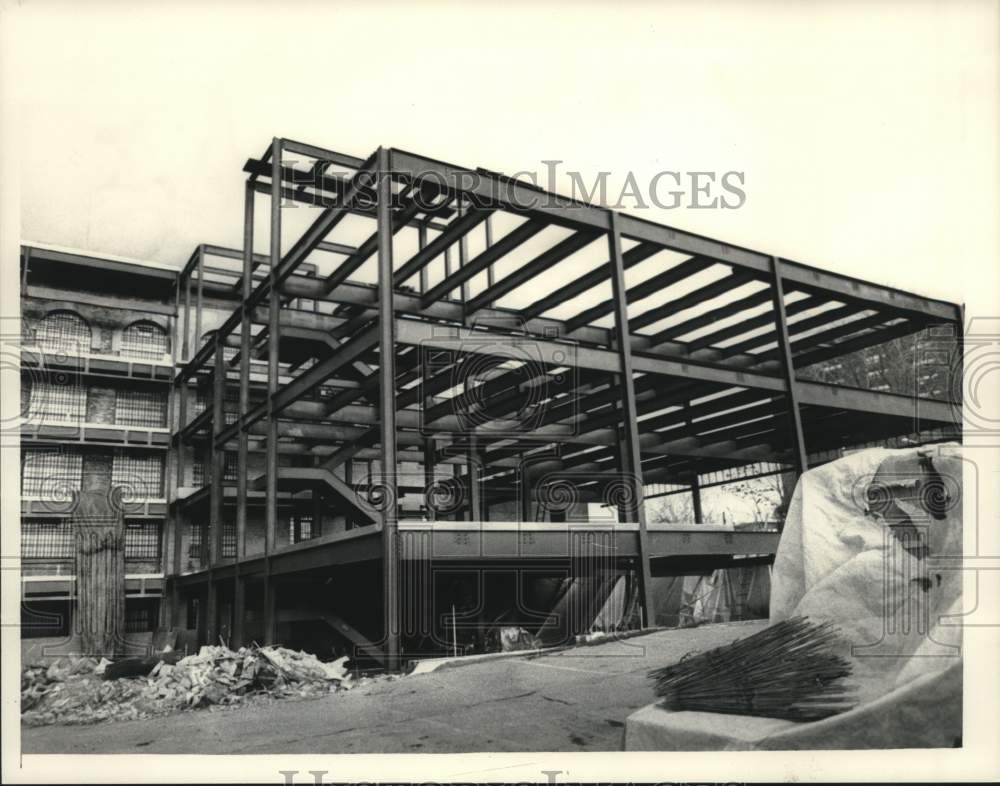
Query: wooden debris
x,y
786,671
71,691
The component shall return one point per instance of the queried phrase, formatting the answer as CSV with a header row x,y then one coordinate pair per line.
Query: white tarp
x,y
872,542
866,544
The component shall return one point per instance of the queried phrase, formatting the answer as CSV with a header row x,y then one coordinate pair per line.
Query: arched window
x,y
144,340
63,331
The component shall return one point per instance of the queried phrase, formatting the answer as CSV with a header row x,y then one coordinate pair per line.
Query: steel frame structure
x,y
664,393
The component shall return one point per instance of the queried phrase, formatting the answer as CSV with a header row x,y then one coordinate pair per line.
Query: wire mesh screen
x,y
64,331
58,402
144,340
142,540
140,408
46,539
141,474
50,472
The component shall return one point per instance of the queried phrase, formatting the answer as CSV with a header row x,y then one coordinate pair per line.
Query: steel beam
x,y
497,191
709,317
753,323
587,281
320,228
457,229
199,295
547,259
273,340
387,411
734,280
788,366
483,261
632,466
679,272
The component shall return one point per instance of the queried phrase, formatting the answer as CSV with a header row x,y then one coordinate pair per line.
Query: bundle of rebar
x,y
790,671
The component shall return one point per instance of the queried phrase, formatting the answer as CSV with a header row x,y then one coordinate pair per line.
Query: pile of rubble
x,y
77,690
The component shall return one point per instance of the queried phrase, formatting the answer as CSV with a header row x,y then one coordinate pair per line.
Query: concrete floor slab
x,y
570,700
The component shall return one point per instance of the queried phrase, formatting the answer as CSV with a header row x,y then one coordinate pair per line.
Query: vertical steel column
x,y
489,242
477,508
788,367
168,605
696,499
426,402
239,584
387,402
179,519
526,506
181,391
216,455
273,338
463,254
186,355
175,342
199,298
695,481
421,242
632,468
214,466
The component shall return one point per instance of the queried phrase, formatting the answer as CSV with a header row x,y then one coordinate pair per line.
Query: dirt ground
x,y
571,700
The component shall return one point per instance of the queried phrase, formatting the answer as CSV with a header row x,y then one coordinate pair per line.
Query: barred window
x,y
140,473
46,539
144,340
195,531
231,407
58,402
300,527
140,615
199,404
63,330
142,540
140,408
231,472
228,544
50,473
197,473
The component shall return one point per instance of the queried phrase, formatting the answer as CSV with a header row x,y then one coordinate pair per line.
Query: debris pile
x,y
76,690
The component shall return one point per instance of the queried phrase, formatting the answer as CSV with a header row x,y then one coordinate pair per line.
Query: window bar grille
x,y
141,474
57,402
144,340
63,332
228,545
142,540
50,472
47,539
140,408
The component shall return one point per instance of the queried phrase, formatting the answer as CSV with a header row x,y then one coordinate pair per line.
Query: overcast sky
x,y
867,133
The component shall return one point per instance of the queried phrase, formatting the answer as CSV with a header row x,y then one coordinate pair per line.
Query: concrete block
x,y
924,713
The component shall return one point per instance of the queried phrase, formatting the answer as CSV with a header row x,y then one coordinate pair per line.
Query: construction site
x,y
426,411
